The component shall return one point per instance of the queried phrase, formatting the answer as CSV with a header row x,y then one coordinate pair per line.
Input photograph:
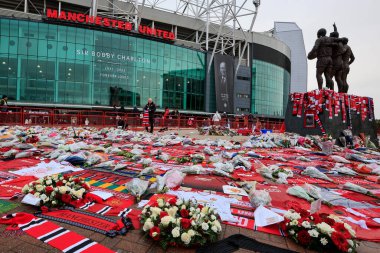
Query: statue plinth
x,y
321,112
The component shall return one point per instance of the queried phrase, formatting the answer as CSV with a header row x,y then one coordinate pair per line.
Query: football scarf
x,y
90,221
337,104
52,234
344,112
371,109
363,108
300,106
295,98
145,121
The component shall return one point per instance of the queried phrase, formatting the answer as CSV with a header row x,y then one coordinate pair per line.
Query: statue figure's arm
x,y
352,57
335,28
313,53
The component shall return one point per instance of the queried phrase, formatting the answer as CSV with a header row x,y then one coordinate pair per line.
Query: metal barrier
x,y
72,117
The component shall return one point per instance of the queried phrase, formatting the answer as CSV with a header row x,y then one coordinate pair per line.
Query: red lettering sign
x,y
107,22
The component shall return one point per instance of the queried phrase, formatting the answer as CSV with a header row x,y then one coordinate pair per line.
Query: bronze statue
x,y
322,50
338,51
348,58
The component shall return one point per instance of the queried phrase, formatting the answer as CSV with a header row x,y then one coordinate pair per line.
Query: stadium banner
x,y
224,83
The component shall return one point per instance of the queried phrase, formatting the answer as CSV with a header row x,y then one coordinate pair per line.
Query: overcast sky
x,y
358,20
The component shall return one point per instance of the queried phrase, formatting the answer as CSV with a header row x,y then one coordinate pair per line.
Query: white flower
x,y
191,232
167,204
183,207
155,211
143,211
205,226
349,250
37,194
54,202
214,228
292,215
61,178
56,189
62,189
291,232
30,184
351,243
48,182
313,233
217,224
193,223
186,238
25,189
172,211
78,194
179,202
160,202
294,223
64,181
39,188
350,230
166,220
178,221
213,217
175,232
205,210
306,224
198,210
192,209
148,225
324,241
325,228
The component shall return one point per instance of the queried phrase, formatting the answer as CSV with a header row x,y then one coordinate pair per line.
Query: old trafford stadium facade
x,y
97,54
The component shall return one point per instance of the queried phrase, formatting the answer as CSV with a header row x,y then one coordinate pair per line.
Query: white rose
x,y
192,209
186,238
214,228
291,232
64,181
205,226
175,232
155,211
294,223
71,179
52,194
179,202
30,184
213,217
37,194
173,211
39,181
56,189
205,210
48,182
62,189
178,221
143,211
166,220
197,210
324,241
306,224
193,223
54,202
160,202
148,225
217,224
191,232
61,178
39,188
349,250
25,189
167,204
183,207
325,228
313,233
351,243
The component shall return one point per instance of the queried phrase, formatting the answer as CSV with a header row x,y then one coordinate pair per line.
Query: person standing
x,y
165,118
4,103
150,107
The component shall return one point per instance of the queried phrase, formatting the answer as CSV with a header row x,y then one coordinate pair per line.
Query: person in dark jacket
x,y
151,108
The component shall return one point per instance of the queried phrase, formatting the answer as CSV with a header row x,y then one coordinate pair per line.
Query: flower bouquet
x,y
180,223
57,190
320,232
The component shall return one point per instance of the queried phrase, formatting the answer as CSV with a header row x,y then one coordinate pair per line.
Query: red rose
x,y
340,241
59,183
66,198
85,186
44,209
184,213
155,230
77,180
339,228
304,213
66,177
329,221
200,206
186,223
172,201
304,238
49,190
163,214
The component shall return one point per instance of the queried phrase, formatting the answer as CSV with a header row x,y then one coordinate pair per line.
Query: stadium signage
x,y
107,22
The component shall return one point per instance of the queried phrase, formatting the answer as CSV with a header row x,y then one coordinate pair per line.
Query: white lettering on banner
x,y
108,55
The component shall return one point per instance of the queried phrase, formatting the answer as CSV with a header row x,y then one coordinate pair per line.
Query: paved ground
x,y
135,242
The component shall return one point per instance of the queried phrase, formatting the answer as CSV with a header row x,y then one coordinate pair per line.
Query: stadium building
x,y
195,56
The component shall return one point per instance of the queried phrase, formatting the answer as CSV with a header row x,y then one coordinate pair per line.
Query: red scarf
x,y
300,106
52,234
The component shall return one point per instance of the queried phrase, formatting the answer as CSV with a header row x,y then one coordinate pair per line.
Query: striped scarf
x,y
145,119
